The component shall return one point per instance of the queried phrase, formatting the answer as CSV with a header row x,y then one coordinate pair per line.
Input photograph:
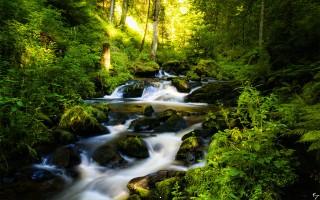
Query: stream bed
x,y
91,180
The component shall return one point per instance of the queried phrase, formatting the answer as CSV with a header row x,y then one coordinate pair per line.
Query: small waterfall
x,y
164,74
112,184
164,92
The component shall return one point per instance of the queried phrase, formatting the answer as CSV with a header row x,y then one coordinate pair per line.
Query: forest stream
x,y
109,181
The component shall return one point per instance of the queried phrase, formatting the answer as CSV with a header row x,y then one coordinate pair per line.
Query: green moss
x,y
164,188
82,119
190,143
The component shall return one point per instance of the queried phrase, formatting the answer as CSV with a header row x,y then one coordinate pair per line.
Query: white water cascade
x,y
112,184
96,182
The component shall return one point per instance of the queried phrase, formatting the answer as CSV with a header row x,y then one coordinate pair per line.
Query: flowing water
x,y
96,182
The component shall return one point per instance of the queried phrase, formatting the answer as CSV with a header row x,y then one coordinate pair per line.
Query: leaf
x,y
19,103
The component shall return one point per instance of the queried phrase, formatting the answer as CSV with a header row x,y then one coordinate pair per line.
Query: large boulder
x,y
107,155
133,146
148,111
145,69
145,186
134,89
66,157
191,150
167,121
176,67
83,120
216,93
181,84
144,124
172,124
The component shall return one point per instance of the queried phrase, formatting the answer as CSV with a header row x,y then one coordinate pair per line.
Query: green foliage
x,y
81,116
254,109
242,165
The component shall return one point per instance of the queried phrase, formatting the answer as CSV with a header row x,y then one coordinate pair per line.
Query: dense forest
x,y
248,71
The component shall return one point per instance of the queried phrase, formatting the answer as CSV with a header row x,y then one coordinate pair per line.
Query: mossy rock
x,y
133,146
66,157
83,120
134,89
144,124
164,188
181,84
107,155
190,151
199,133
225,93
207,68
148,111
145,69
172,124
64,137
145,186
176,67
101,112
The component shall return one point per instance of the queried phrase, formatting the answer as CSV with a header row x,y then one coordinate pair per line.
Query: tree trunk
x,y
106,57
112,5
261,25
125,5
146,27
156,13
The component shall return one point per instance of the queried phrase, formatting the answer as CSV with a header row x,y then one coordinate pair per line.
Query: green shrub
x,y
242,165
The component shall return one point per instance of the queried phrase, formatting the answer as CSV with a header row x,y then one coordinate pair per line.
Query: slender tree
x,y
125,7
261,25
156,13
146,27
112,5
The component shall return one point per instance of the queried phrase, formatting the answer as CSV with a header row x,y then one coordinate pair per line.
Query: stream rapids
x,y
96,182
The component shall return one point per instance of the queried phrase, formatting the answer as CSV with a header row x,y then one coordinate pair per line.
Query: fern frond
x,y
314,146
311,136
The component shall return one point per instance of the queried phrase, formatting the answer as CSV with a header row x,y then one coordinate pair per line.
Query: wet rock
x,y
167,121
164,188
66,157
116,118
190,151
83,120
225,93
207,68
144,124
28,189
172,124
145,186
176,67
148,111
133,146
181,84
145,69
199,133
134,89
107,155
63,137
102,111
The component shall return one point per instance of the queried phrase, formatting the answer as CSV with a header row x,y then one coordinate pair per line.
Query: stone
x,y
145,186
66,157
133,146
181,84
176,67
190,151
107,155
134,89
225,93
148,111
